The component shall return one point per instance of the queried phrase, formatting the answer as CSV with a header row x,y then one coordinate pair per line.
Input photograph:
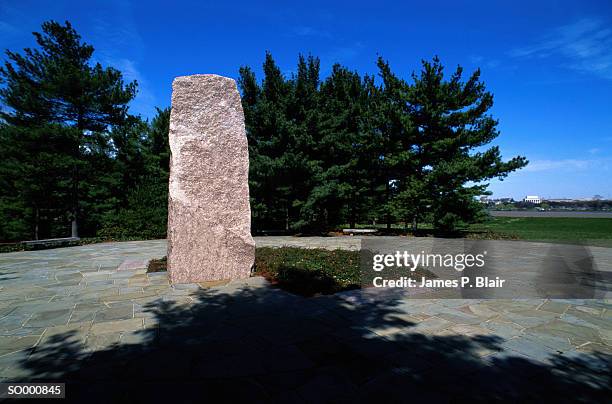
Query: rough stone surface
x,y
209,216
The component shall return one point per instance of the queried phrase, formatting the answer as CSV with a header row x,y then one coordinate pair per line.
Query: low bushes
x,y
306,272
309,272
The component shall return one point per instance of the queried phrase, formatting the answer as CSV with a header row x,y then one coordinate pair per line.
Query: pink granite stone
x,y
209,215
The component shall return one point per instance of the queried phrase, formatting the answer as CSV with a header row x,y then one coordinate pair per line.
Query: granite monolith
x,y
209,214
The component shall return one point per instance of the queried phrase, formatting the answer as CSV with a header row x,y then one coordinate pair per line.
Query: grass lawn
x,y
592,231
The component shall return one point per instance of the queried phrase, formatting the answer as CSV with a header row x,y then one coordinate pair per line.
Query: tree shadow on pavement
x,y
266,345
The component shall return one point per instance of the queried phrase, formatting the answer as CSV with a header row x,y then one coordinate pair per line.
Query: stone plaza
x,y
91,316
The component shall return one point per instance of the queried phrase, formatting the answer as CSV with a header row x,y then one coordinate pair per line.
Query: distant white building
x,y
532,199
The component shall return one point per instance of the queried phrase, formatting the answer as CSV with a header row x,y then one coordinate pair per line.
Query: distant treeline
x,y
598,204
592,205
346,149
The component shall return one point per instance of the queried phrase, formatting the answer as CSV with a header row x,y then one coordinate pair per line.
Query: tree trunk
x,y
352,219
286,217
387,193
74,227
414,224
36,222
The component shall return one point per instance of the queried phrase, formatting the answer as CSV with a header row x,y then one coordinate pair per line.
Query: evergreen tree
x,y
159,146
57,84
271,145
342,187
444,164
33,178
141,157
347,150
305,115
129,152
394,144
251,98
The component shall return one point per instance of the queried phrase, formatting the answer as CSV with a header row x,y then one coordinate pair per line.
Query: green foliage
x,y
308,272
346,150
158,265
142,160
54,92
437,129
310,147
346,153
144,217
157,141
34,176
70,151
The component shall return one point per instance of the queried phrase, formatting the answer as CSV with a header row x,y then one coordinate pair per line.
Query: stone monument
x,y
209,215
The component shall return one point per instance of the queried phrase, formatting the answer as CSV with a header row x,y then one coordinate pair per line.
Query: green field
x,y
593,231
581,230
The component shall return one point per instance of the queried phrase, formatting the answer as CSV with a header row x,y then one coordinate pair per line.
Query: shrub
x,y
306,272
309,272
145,216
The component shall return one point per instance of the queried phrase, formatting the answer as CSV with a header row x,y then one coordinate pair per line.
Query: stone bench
x,y
359,231
50,243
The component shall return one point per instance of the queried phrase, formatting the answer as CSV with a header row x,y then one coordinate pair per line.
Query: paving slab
x,y
10,345
49,317
123,312
76,303
117,326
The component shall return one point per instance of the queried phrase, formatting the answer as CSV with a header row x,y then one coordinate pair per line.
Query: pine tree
x,y
130,147
447,166
271,135
347,150
141,164
395,146
305,115
57,84
159,146
33,175
343,185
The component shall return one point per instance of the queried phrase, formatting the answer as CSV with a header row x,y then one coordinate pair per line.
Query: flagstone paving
x,y
92,315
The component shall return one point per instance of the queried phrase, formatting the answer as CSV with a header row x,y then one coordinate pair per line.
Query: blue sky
x,y
548,63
